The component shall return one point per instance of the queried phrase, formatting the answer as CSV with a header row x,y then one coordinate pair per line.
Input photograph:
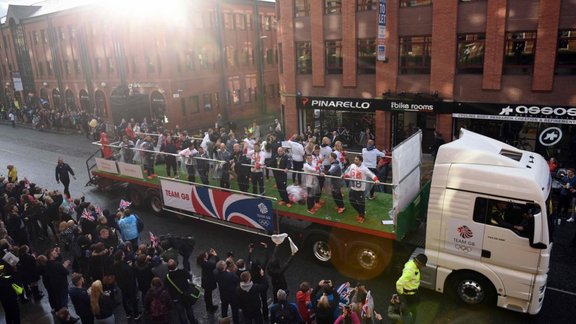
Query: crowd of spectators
x,y
96,260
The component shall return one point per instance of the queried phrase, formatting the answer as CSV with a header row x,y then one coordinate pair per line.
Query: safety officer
x,y
407,285
9,296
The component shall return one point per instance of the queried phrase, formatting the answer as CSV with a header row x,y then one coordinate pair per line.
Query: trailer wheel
x,y
319,249
156,204
472,289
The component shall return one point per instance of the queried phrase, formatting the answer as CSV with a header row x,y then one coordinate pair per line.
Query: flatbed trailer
x,y
325,235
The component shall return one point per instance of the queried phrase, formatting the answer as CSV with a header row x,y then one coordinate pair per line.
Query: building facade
x,y
185,64
505,68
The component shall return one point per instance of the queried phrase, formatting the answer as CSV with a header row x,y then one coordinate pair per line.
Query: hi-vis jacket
x,y
409,282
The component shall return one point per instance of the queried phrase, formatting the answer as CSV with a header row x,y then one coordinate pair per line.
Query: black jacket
x,y
249,300
81,301
208,267
227,283
62,172
125,277
180,279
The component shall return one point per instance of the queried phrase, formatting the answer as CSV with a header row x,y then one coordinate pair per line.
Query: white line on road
x,y
22,154
562,291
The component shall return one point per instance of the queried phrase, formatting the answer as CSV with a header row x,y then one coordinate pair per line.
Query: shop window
x,y
566,55
207,99
228,21
519,52
110,65
415,54
302,8
366,5
279,59
269,56
240,21
334,57
366,56
67,67
247,57
203,60
236,96
470,53
216,100
231,56
77,68
40,68
332,7
149,62
183,106
415,3
304,58
194,104
190,61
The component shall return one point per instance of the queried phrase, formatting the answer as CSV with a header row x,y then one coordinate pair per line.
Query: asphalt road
x,y
35,155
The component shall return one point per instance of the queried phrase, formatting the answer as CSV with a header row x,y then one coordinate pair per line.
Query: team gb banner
x,y
222,205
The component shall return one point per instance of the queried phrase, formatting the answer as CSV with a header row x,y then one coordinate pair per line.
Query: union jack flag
x,y
124,204
87,215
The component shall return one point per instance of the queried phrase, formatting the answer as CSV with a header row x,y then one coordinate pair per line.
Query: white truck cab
x,y
487,237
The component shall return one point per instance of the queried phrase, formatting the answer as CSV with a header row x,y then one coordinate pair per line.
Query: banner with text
x,y
131,170
222,205
516,112
106,165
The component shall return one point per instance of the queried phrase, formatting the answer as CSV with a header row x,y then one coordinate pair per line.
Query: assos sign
x,y
536,110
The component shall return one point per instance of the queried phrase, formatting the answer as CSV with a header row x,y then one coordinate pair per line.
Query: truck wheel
x,y
319,249
371,259
156,204
472,289
135,196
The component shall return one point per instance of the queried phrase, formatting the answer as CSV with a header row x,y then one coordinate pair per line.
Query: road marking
x,y
562,291
22,154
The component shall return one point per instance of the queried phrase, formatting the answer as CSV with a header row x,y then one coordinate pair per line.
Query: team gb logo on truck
x,y
465,232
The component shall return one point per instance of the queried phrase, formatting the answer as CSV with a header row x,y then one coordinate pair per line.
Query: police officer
x,y
9,296
407,285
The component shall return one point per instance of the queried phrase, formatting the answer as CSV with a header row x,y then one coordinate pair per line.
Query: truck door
x,y
506,241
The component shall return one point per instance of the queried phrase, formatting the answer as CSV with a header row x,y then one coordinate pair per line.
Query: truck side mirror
x,y
536,237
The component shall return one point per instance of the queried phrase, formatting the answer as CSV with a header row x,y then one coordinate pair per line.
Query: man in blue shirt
x,y
128,225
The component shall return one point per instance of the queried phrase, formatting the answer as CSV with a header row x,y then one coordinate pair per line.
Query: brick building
x,y
505,68
187,61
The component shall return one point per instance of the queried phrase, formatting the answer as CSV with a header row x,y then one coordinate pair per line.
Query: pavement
x,y
63,131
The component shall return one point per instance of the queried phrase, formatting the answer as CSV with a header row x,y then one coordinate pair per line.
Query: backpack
x,y
139,223
157,307
284,314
